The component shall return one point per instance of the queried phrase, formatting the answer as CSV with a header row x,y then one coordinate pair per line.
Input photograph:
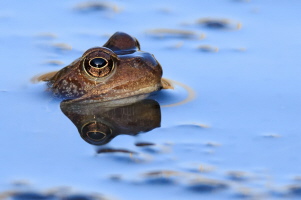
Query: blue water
x,y
247,98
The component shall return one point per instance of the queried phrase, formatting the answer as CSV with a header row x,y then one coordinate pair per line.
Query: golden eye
x,y
98,67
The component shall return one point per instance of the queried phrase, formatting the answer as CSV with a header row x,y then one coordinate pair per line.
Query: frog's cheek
x,y
68,88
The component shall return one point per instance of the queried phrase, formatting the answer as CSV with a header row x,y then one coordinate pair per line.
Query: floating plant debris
x,y
177,45
32,196
272,135
97,6
207,185
165,10
294,189
165,177
58,195
246,193
240,49
21,182
161,173
206,168
212,144
238,175
215,23
62,46
54,62
174,33
109,150
47,35
208,48
143,144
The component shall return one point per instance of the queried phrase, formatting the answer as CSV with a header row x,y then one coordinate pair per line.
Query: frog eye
x,y
98,67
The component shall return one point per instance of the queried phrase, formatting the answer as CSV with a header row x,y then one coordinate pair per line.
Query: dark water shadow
x,y
99,123
54,195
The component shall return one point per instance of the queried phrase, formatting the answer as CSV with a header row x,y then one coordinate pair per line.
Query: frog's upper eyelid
x,y
101,49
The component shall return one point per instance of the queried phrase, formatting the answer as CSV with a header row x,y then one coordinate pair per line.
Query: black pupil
x,y
98,62
95,135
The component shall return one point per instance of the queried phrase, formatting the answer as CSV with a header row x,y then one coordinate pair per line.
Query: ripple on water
x,y
208,48
123,155
58,48
54,62
80,197
198,168
246,193
144,144
32,196
191,181
47,35
219,23
294,189
164,33
110,150
181,94
160,180
207,185
238,176
149,147
35,195
62,46
90,6
164,177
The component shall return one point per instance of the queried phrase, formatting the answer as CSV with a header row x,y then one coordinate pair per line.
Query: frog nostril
x,y
98,62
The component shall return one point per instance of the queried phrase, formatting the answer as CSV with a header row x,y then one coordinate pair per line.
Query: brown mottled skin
x,y
134,73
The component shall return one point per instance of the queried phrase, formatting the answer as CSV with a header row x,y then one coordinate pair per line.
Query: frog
x,y
118,69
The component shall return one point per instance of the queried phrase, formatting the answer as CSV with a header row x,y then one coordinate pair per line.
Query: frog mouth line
x,y
133,95
190,92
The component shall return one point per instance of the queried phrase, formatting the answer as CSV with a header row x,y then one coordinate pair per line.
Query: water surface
x,y
238,138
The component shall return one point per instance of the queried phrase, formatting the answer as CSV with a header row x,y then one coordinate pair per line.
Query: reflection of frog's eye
x,y
98,67
95,132
96,135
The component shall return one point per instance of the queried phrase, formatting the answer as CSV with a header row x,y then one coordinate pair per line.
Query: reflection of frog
x,y
117,70
100,122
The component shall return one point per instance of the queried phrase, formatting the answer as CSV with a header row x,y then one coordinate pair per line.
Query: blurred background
x,y
237,137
